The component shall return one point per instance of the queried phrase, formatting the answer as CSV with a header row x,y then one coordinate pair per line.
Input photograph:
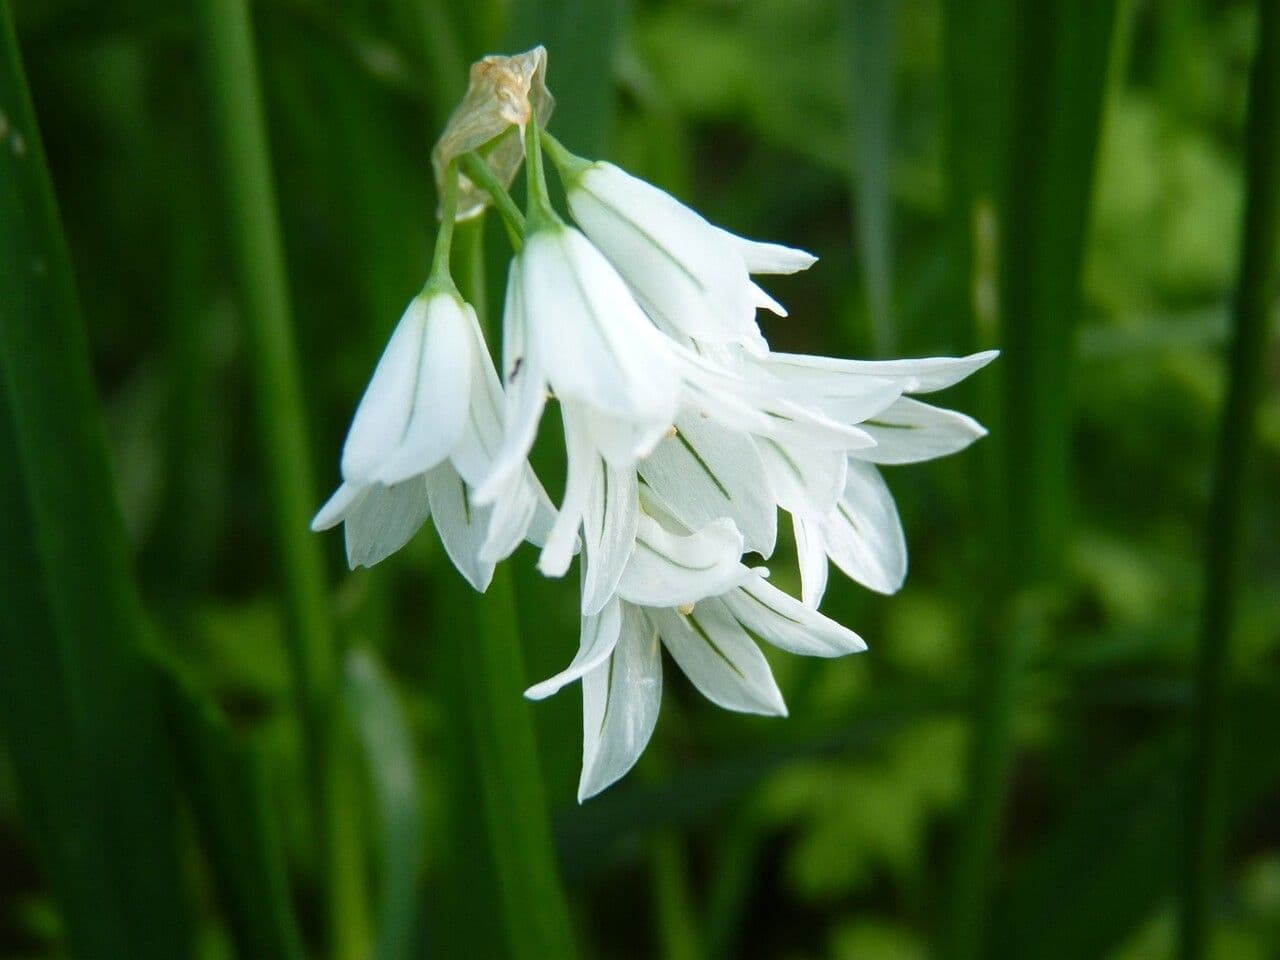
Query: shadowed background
x,y
215,741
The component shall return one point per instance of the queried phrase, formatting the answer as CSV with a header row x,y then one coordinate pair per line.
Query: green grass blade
x,y
388,748
872,37
1036,233
1063,56
81,712
1223,557
253,232
226,782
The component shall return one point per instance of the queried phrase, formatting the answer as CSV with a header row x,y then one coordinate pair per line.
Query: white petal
x,y
804,481
383,413
863,535
785,622
442,393
383,520
510,517
582,466
461,526
618,441
923,375
544,514
526,394
770,257
591,339
791,423
707,471
848,397
608,533
667,570
685,271
720,658
481,440
337,507
620,702
766,302
811,554
598,639
911,431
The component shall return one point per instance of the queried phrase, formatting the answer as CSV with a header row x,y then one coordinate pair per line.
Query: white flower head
x,y
692,277
684,433
427,428
572,328
690,593
853,521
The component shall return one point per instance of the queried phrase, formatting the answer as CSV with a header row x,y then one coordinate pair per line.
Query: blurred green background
x,y
1004,774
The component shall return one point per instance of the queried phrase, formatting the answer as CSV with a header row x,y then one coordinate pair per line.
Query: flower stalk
x,y
541,213
440,280
475,167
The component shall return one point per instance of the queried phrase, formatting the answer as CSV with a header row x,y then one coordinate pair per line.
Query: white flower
x,y
693,278
687,592
859,529
427,428
572,327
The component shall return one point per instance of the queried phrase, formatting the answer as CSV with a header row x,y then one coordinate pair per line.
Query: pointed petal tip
x,y
591,784
554,566
540,691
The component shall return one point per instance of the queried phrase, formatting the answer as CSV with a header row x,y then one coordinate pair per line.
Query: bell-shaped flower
x,y
858,529
572,327
692,277
690,593
426,430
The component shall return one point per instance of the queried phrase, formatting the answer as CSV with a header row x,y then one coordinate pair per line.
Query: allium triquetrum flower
x,y
426,431
693,278
688,592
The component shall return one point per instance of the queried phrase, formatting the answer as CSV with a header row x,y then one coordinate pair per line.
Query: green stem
x,y
1254,306
440,278
240,147
567,162
536,915
482,174
541,213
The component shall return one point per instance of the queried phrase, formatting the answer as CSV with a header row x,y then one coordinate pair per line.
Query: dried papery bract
x,y
503,92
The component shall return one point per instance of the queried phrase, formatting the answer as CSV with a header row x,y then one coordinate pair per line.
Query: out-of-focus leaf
x,y
581,37
871,31
610,826
1113,857
226,781
380,725
81,710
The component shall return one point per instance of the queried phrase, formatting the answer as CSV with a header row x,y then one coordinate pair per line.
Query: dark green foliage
x,y
246,750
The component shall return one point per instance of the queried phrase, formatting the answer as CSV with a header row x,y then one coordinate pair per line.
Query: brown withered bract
x,y
502,93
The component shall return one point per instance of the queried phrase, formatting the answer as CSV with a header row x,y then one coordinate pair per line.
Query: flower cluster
x,y
684,436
